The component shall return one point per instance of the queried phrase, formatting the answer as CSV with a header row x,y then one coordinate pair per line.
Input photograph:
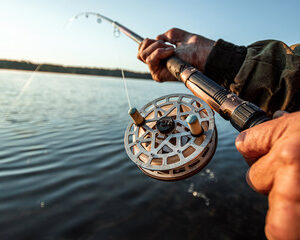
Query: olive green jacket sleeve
x,y
266,73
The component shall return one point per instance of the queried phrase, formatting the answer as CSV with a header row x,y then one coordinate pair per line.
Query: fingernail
x,y
279,113
248,180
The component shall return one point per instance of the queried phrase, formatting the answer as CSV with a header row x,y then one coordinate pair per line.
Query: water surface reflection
x,y
64,173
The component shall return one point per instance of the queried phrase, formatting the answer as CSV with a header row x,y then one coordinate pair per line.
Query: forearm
x,y
266,73
224,62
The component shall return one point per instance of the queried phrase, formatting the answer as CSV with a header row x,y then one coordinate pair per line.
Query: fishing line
x,y
122,71
126,89
116,34
27,84
22,91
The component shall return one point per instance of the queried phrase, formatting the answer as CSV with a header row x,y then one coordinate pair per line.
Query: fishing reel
x,y
172,137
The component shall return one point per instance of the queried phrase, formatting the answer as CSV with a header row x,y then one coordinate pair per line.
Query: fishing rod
x,y
174,136
242,114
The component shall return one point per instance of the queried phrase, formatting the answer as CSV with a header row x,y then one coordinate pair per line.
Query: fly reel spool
x,y
172,137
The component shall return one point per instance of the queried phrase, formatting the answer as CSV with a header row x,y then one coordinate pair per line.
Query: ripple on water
x,y
64,173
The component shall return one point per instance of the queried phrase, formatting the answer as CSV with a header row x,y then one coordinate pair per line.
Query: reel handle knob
x,y
137,118
194,125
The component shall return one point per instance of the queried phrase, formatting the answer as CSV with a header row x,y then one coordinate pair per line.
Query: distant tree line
x,y
24,65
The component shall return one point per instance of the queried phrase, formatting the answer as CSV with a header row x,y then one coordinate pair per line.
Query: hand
x,y
272,149
190,47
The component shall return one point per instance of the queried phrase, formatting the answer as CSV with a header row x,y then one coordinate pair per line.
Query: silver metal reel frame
x,y
176,155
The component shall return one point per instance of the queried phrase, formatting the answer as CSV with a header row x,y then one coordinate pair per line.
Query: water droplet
x,y
191,188
197,194
116,32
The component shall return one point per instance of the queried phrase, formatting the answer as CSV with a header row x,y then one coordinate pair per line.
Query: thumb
x,y
257,141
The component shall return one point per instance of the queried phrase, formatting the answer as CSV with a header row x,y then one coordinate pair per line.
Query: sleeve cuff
x,y
224,62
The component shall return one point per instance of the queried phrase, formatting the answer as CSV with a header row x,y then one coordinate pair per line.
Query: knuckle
x,y
157,44
143,55
286,152
160,37
290,154
253,180
146,40
172,30
280,229
159,51
154,77
160,42
194,38
149,60
145,43
274,232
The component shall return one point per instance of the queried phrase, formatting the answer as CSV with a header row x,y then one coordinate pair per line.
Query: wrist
x,y
195,50
205,50
224,62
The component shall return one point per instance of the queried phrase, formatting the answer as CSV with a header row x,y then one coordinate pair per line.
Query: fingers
x,y
152,52
154,59
143,46
257,141
276,172
284,153
283,218
149,47
159,54
262,173
260,176
174,36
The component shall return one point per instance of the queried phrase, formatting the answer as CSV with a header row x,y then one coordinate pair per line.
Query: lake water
x,y
64,173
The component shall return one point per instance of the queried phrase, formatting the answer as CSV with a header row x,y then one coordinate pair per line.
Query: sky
x,y
38,30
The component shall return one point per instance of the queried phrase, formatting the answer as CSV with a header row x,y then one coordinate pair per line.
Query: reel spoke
x,y
164,147
149,129
168,112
